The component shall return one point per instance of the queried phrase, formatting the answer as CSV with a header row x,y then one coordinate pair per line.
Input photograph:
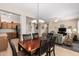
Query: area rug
x,y
74,47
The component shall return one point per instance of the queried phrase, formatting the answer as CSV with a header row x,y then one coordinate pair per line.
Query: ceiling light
x,y
34,21
41,21
56,20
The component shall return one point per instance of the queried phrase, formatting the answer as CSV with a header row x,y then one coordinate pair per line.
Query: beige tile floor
x,y
59,51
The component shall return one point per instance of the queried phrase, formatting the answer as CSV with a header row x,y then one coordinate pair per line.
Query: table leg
x,y
19,48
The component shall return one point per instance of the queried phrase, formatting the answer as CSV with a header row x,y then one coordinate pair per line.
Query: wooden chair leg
x,y
49,52
19,49
54,51
46,54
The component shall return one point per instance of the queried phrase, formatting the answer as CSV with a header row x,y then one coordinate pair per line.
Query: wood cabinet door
x,y
0,23
4,25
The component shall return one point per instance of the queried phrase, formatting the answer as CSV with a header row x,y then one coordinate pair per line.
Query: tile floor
x,y
60,51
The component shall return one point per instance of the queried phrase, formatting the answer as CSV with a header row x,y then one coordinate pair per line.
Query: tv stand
x,y
62,33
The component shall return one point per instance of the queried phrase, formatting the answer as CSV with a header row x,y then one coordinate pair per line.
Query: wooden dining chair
x,y
35,35
43,48
51,45
27,37
14,53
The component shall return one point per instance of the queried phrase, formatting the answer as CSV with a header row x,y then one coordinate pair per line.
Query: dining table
x,y
29,46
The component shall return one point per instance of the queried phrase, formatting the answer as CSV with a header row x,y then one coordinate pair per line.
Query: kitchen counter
x,y
3,41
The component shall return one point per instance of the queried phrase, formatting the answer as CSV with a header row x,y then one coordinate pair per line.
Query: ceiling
x,y
46,11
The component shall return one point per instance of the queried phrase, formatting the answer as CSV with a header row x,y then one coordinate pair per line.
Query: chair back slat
x,y
27,36
35,36
43,47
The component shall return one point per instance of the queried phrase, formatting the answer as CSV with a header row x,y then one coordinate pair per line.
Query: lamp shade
x,y
74,30
69,31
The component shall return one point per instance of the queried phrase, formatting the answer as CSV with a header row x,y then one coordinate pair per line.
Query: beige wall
x,y
8,18
53,26
42,28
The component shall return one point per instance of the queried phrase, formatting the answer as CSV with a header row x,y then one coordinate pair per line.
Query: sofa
x,y
60,38
68,40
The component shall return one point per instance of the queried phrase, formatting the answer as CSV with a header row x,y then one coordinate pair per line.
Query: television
x,y
62,29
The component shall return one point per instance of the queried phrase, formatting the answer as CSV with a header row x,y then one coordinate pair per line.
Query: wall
x,y
42,28
78,26
28,24
22,26
53,26
9,19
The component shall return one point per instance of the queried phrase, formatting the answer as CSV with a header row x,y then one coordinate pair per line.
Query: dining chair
x,y
44,36
44,45
51,45
14,52
49,35
35,35
27,37
43,48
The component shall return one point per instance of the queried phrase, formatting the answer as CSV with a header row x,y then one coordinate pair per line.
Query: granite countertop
x,y
3,34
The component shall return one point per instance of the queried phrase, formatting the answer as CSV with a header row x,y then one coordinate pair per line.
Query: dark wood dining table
x,y
30,45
